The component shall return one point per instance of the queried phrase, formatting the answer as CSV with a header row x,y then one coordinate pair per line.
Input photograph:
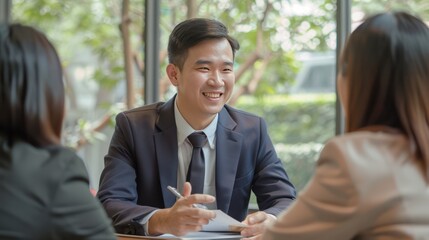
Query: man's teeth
x,y
212,95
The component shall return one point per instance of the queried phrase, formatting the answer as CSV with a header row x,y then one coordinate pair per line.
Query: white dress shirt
x,y
185,153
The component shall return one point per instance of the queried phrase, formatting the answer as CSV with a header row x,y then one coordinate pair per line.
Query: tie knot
x,y
197,139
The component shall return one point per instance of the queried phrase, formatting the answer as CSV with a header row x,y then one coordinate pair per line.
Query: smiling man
x,y
150,149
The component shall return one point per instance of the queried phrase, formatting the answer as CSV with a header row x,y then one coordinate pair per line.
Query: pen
x,y
177,194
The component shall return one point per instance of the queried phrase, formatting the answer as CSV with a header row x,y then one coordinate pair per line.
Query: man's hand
x,y
182,218
256,224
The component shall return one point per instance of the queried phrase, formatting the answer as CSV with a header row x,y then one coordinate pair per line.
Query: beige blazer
x,y
367,185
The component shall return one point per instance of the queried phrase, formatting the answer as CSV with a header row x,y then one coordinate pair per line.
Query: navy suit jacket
x,y
143,160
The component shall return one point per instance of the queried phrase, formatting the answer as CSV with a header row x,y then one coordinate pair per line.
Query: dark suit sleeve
x,y
271,185
118,188
76,213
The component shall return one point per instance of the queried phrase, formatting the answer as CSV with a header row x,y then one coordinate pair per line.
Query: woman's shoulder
x,y
369,141
55,156
47,164
366,153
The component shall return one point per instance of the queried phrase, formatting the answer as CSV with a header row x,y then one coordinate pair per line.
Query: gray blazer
x,y
143,160
367,185
44,194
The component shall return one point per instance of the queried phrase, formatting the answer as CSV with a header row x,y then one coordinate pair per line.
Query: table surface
x,y
195,235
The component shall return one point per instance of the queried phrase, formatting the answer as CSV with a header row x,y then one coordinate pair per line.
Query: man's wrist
x,y
157,226
145,222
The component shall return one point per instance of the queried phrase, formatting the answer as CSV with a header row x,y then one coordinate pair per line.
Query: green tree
x,y
101,45
269,34
417,7
90,40
269,37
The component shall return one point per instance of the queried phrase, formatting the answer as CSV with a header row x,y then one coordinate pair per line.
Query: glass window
x,y
285,69
90,42
363,8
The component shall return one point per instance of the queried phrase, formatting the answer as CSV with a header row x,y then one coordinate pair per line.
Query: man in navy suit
x,y
150,151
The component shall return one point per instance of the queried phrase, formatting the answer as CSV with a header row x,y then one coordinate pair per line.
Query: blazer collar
x,y
228,148
165,119
166,150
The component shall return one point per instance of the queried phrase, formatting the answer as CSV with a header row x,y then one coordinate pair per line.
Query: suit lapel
x,y
228,147
166,150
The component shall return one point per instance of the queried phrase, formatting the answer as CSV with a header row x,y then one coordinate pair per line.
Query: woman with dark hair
x,y
372,182
44,192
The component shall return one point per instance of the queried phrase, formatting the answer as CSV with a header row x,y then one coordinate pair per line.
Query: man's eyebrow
x,y
229,63
203,62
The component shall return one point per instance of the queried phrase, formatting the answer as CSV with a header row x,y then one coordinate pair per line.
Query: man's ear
x,y
172,73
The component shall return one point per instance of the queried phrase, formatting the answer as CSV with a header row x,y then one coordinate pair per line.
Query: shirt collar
x,y
184,129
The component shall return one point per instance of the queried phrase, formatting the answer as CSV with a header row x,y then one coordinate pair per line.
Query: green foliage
x,y
93,26
77,26
277,77
417,7
299,161
294,119
281,33
88,39
299,125
313,30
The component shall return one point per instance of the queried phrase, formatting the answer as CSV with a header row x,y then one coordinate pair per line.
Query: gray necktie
x,y
196,170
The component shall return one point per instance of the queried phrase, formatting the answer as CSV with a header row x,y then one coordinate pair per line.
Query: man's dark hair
x,y
193,31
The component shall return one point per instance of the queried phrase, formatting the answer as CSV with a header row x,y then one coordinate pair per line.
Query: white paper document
x,y
221,227
223,223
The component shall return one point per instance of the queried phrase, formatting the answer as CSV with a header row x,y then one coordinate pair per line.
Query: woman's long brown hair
x,y
386,66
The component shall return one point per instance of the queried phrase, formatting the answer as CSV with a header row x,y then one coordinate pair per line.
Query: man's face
x,y
205,82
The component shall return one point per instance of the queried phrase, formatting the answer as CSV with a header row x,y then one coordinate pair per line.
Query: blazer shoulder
x,y
140,114
369,155
239,120
54,157
63,158
238,114
367,140
143,109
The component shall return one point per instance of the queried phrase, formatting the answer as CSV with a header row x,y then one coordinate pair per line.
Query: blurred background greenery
x,y
285,68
